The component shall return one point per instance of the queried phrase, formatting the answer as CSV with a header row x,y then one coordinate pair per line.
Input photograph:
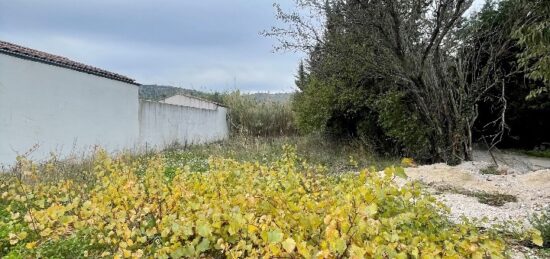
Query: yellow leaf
x,y
400,172
46,232
142,239
408,162
15,215
203,246
274,236
371,210
40,203
536,238
252,228
151,232
127,253
13,241
356,252
289,245
303,249
27,217
204,230
22,235
339,245
478,255
30,245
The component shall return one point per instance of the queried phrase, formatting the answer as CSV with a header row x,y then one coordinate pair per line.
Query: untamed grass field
x,y
245,197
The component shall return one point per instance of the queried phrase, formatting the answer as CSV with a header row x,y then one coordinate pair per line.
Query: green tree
x,y
534,35
505,117
408,74
407,45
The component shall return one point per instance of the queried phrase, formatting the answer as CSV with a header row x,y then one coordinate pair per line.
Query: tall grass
x,y
250,117
338,157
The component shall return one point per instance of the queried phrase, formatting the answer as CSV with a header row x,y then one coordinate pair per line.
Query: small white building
x,y
190,101
58,105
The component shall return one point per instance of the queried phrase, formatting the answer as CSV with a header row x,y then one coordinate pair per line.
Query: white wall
x,y
61,109
163,124
188,101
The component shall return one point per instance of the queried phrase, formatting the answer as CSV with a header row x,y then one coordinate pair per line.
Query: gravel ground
x,y
455,186
532,190
518,162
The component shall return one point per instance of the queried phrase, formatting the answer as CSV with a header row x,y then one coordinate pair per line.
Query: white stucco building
x,y
58,105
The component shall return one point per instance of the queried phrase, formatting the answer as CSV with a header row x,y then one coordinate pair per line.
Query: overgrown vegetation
x,y
509,113
337,157
255,115
492,169
259,118
516,235
419,78
493,199
286,207
541,221
533,35
383,79
537,153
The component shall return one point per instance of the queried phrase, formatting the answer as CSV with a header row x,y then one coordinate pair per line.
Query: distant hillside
x,y
161,92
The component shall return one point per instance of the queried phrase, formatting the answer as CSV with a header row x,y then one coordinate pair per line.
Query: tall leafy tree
x,y
408,43
534,35
407,73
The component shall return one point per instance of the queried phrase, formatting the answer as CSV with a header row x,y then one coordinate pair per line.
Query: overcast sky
x,y
200,44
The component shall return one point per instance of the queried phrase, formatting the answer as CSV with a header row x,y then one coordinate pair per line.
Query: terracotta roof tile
x,y
20,51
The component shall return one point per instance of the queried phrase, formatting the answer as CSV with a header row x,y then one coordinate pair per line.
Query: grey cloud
x,y
182,23
205,44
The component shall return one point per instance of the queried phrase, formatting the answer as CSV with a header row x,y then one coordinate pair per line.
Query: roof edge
x,y
46,58
198,98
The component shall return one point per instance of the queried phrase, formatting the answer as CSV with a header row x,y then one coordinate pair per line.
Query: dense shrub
x,y
237,209
385,121
403,125
314,106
